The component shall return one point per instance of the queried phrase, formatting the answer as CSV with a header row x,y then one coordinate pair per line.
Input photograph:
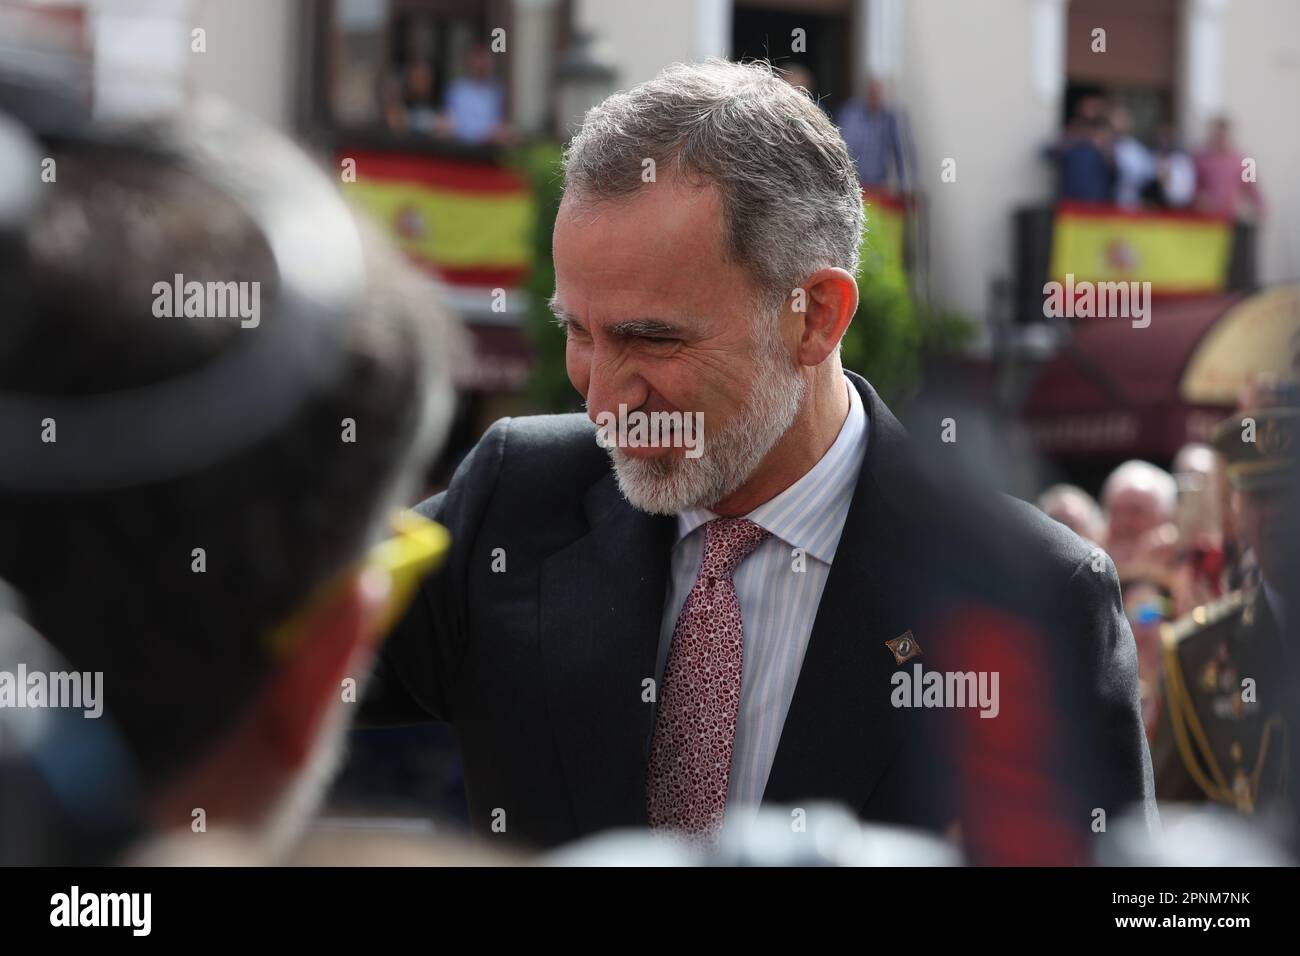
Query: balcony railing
x,y
1179,253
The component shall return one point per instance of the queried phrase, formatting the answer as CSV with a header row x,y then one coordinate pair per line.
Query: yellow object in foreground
x,y
416,550
417,547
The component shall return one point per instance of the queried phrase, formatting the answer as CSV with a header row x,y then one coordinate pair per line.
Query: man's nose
x,y
614,381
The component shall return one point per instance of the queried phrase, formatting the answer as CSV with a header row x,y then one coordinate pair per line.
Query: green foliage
x,y
892,331
539,163
884,340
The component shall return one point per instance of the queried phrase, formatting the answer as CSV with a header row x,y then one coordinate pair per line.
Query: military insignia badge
x,y
1218,670
904,647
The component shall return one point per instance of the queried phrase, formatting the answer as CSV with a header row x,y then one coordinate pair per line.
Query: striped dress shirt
x,y
778,603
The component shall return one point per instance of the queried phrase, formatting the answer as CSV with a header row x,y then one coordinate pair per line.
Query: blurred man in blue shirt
x,y
877,139
1084,168
475,104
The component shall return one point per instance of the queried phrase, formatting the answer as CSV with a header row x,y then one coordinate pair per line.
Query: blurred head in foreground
x,y
227,603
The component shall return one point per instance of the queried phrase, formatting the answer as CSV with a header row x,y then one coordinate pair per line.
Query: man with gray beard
x,y
672,641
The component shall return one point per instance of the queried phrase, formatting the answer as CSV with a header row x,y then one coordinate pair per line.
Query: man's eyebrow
x,y
633,328
629,328
562,318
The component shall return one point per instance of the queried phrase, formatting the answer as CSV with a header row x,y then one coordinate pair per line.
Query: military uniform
x,y
1221,734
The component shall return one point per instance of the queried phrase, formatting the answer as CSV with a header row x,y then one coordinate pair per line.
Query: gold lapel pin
x,y
904,647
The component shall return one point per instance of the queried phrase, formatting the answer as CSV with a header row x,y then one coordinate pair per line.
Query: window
x,y
417,70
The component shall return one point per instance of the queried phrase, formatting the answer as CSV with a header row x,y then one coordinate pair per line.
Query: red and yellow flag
x,y
469,222
1178,252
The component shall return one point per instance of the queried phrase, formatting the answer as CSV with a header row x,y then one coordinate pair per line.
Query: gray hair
x,y
1146,477
790,195
1052,500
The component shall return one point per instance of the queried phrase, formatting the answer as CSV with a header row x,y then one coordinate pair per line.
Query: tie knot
x,y
728,541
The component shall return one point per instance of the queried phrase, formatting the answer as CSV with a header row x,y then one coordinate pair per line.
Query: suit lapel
x,y
841,732
601,605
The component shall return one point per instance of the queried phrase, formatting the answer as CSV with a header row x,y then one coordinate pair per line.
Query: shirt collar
x,y
810,513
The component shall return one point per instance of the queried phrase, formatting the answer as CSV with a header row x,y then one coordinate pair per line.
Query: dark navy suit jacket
x,y
539,668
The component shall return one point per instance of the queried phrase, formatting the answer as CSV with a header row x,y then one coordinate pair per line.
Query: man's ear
x,y
336,643
830,297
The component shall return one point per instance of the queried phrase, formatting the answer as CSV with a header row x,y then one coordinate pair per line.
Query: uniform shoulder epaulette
x,y
1201,618
1192,741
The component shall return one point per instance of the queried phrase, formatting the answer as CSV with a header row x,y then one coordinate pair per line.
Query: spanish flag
x,y
469,222
1180,253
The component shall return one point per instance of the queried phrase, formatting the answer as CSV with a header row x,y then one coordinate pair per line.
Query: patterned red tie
x,y
695,731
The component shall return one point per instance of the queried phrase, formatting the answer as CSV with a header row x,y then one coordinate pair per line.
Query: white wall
x,y
141,56
1261,79
253,50
644,37
967,82
531,49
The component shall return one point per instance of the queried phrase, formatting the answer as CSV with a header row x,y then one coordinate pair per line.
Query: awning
x,y
501,359
1115,391
1259,336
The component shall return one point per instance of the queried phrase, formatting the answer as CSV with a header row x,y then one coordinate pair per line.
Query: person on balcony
x,y
1223,186
1175,184
1085,170
1134,165
877,137
475,105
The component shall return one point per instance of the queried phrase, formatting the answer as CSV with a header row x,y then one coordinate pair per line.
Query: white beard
x,y
671,484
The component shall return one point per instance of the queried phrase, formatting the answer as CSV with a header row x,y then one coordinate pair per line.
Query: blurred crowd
x,y
1100,159
1199,533
471,110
